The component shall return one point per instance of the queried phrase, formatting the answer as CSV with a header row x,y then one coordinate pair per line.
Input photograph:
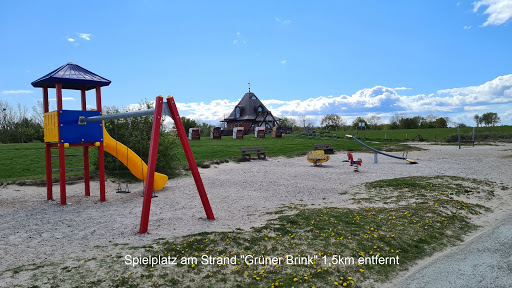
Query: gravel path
x,y
484,261
33,229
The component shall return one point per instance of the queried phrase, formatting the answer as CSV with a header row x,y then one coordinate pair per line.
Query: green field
x,y
26,161
482,134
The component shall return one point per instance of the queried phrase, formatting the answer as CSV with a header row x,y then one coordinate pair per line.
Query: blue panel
x,y
72,132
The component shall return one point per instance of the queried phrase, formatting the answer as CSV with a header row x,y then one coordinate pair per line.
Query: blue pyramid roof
x,y
73,77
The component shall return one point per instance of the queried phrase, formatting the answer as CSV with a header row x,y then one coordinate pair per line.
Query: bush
x,y
135,133
480,136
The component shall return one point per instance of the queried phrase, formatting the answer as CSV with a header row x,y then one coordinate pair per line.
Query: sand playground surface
x,y
34,230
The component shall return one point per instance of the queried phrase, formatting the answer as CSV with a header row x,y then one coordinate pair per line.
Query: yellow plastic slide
x,y
131,160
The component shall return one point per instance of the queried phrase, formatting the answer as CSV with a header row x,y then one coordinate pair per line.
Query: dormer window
x,y
260,109
253,97
237,112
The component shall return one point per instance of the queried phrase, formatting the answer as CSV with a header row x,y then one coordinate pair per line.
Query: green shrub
x,y
135,133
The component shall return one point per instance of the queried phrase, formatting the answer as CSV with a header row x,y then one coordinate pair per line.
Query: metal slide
x,y
380,152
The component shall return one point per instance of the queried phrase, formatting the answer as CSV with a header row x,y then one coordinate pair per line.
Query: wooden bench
x,y
248,151
326,147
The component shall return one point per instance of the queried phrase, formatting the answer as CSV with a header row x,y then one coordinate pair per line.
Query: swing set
x,y
81,128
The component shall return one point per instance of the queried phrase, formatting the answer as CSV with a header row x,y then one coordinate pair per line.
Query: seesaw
x,y
382,153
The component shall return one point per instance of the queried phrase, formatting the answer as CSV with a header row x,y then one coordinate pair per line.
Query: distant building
x,y
250,113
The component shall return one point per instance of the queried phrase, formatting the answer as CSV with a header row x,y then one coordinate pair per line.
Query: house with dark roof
x,y
250,113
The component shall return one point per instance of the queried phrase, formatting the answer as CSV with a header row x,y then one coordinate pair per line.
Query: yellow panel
x,y
51,126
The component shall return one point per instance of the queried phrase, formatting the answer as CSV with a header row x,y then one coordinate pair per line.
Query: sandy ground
x,y
33,229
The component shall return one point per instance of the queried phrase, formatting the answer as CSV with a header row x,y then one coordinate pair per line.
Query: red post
x,y
101,151
84,101
86,172
101,163
47,152
98,98
46,107
150,178
62,174
49,180
58,87
86,151
62,156
190,157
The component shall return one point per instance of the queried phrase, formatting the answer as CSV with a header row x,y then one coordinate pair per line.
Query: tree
x,y
395,121
188,123
478,120
16,126
441,123
332,121
490,119
373,120
287,122
306,122
410,123
204,128
38,112
135,133
355,123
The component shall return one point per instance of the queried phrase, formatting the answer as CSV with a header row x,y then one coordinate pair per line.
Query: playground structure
x,y
82,128
354,163
317,157
404,157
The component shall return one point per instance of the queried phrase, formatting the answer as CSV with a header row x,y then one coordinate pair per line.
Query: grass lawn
x,y
26,161
482,134
423,215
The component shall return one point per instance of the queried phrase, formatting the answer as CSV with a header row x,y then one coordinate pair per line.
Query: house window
x,y
253,97
237,112
260,109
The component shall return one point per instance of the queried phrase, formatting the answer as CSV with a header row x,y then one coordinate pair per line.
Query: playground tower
x,y
61,130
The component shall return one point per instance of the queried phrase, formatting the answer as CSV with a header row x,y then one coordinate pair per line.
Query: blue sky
x,y
353,58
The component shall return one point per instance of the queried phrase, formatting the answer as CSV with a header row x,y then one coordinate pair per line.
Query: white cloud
x,y
213,111
17,91
495,91
85,36
460,104
273,101
71,39
467,27
285,22
239,39
283,61
401,88
474,108
499,11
